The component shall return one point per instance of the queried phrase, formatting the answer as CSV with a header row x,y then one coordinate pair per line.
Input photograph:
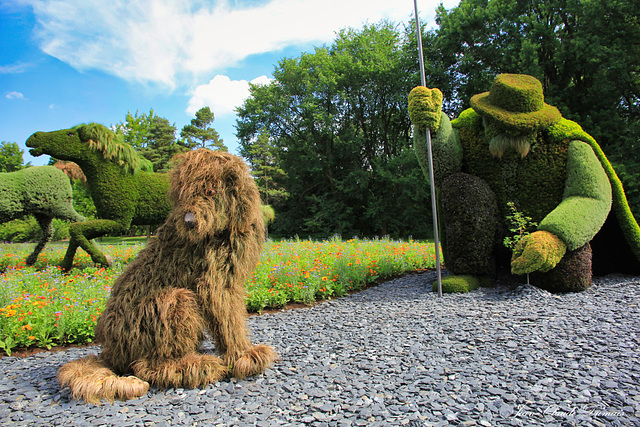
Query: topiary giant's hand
x,y
425,106
539,251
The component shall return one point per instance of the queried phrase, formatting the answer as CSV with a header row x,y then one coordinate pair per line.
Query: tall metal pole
x,y
430,155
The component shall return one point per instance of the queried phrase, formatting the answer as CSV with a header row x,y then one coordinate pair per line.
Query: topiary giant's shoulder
x,y
567,130
467,119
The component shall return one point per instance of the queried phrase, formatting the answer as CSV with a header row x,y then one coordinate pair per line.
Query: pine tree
x,y
200,133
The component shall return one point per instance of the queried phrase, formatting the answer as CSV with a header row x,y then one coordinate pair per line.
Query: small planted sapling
x,y
519,227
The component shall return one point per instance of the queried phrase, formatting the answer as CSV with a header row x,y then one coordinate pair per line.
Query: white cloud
x,y
15,95
222,94
19,67
170,42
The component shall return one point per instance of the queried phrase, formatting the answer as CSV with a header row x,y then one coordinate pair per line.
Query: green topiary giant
x,y
124,189
525,153
44,192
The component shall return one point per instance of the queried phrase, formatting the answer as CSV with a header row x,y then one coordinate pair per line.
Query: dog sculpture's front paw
x,y
254,361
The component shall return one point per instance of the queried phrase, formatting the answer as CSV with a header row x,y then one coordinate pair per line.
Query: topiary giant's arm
x,y
586,201
447,151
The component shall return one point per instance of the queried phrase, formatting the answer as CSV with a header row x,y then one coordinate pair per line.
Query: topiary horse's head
x,y
81,142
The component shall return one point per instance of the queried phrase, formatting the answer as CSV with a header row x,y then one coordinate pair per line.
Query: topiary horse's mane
x,y
112,147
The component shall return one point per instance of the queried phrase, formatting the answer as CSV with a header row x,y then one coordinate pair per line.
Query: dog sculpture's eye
x,y
210,192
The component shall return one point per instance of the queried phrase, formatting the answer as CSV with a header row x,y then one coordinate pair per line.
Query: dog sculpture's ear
x,y
244,197
232,178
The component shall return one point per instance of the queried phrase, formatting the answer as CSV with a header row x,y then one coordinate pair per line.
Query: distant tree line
x,y
329,138
335,120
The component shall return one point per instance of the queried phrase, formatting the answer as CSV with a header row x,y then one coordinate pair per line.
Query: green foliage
x,y
161,144
535,183
629,175
446,149
540,251
262,155
20,230
135,129
200,133
338,120
461,283
112,147
587,199
10,157
82,201
519,225
268,214
38,190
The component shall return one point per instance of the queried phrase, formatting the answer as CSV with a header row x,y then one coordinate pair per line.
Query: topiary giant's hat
x,y
516,101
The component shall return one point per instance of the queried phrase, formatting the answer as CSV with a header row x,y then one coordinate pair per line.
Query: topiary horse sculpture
x,y
44,192
124,189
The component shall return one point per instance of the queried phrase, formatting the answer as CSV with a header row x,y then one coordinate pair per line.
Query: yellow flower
x,y
27,327
325,278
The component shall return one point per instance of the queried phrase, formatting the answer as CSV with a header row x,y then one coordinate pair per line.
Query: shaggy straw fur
x,y
189,279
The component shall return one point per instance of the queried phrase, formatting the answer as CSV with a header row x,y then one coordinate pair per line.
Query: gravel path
x,y
395,355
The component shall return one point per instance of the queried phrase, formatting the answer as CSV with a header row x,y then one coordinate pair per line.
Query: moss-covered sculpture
x,y
513,147
44,192
123,187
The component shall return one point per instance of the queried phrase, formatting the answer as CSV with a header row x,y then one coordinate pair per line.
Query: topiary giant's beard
x,y
501,141
499,144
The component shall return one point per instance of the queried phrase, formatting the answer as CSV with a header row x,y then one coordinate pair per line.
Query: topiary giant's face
x,y
502,139
62,144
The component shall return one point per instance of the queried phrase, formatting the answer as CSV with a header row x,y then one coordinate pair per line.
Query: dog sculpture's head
x,y
213,193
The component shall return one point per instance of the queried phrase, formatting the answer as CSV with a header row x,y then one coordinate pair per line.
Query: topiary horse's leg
x,y
45,223
81,234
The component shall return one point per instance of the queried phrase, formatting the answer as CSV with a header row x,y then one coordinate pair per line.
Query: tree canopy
x,y
200,133
11,157
339,127
153,136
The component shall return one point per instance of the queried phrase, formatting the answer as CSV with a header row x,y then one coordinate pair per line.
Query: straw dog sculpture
x,y
189,279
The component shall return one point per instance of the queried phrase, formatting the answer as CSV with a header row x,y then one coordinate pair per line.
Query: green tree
x,y
161,144
200,133
136,128
11,157
339,122
265,167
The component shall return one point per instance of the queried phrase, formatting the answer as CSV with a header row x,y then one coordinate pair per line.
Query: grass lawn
x,y
41,306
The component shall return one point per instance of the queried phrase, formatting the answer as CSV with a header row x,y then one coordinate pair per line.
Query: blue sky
x,y
65,62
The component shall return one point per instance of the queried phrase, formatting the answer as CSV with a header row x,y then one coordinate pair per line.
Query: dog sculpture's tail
x,y
91,380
